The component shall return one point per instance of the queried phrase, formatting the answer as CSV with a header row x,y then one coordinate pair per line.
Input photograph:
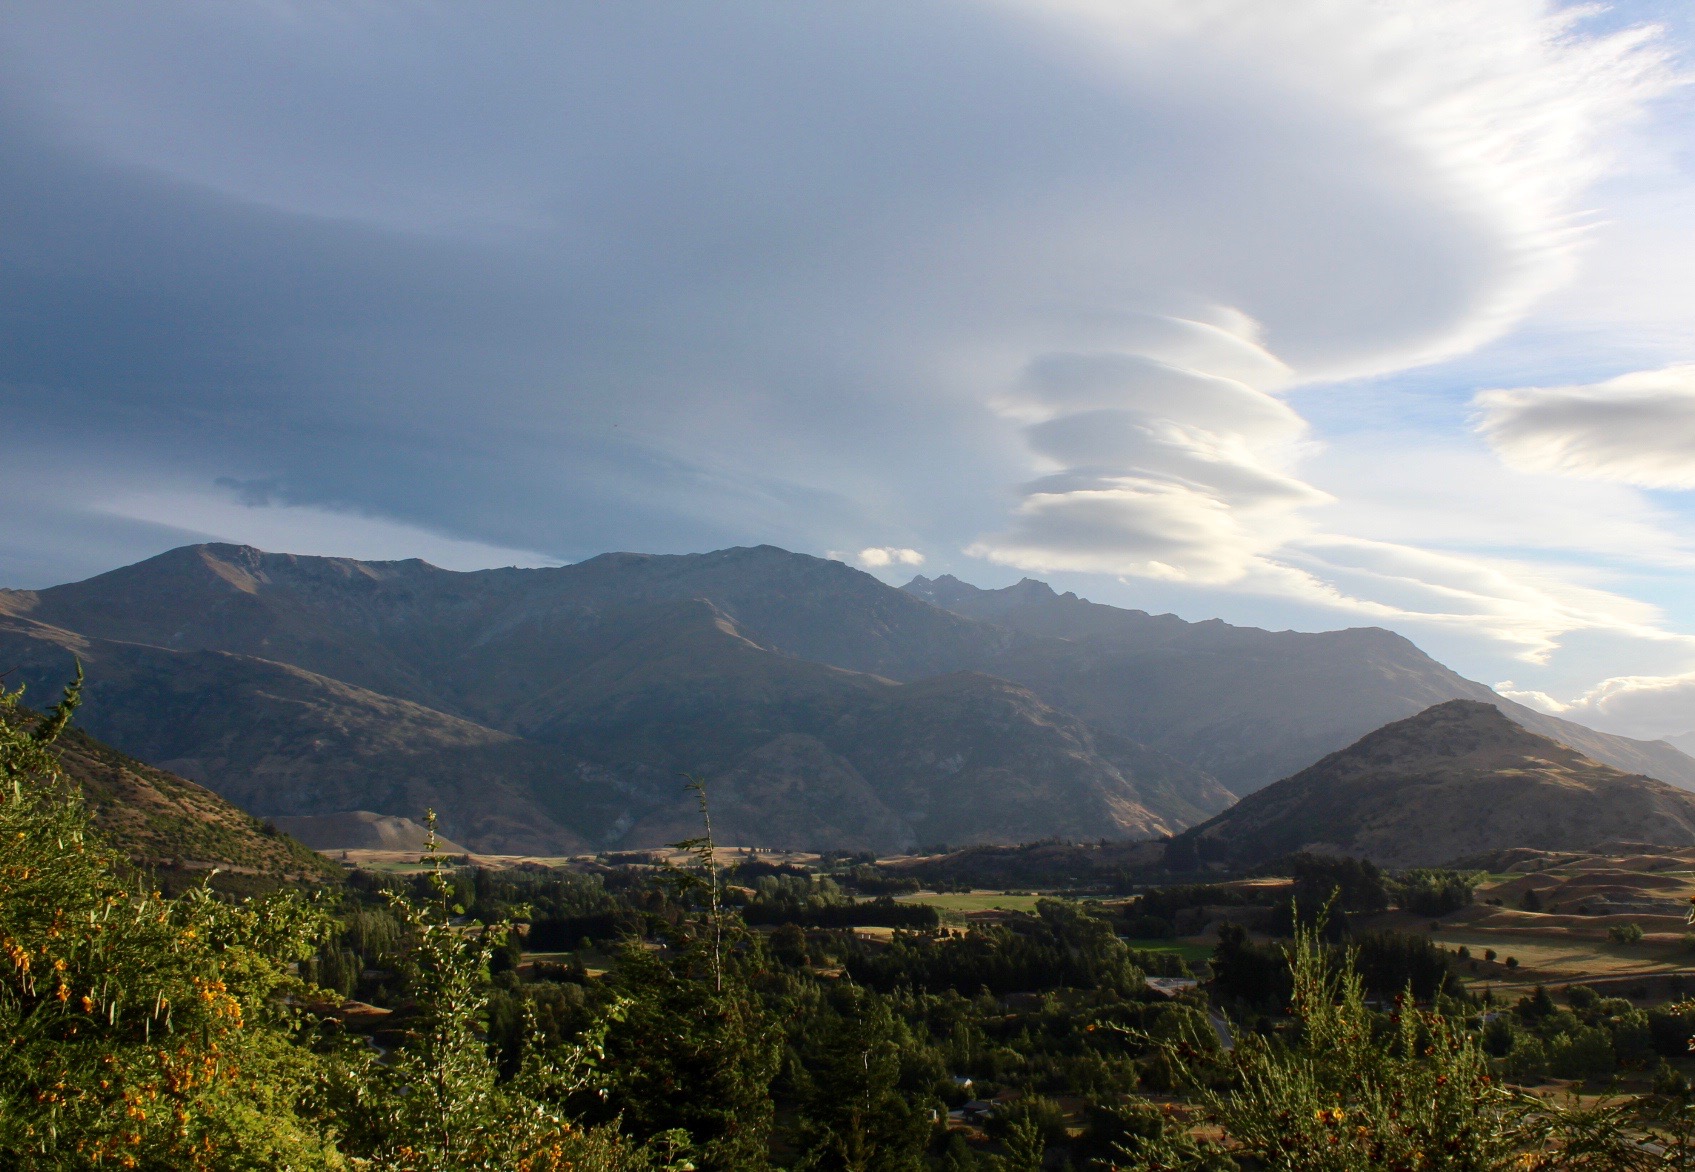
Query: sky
x,y
1312,314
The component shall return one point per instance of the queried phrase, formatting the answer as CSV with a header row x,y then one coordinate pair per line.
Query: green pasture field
x,y
1192,951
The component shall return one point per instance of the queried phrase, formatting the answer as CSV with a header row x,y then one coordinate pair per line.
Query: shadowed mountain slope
x,y
274,739
606,710
160,820
557,709
1457,780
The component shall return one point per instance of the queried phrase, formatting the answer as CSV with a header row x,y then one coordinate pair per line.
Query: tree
x,y
694,1051
144,1032
684,1056
855,1115
439,1104
1339,883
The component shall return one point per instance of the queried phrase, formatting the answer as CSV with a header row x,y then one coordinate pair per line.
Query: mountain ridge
x,y
605,701
1282,667
556,710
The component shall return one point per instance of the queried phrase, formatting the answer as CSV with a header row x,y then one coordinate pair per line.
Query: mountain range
x,y
552,711
1457,780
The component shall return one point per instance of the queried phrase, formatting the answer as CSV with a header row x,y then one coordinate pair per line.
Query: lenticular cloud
x,y
1167,452
1637,428
1032,278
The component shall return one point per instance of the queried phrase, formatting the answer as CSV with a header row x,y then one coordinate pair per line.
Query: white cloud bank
x,y
1650,707
1638,428
1170,455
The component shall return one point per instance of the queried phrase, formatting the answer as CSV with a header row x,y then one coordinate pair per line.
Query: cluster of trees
x,y
1324,886
810,901
1589,1037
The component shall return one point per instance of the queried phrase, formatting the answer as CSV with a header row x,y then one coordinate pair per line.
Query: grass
x,y
1192,951
1567,956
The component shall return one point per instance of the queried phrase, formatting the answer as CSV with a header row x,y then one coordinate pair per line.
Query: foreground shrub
x,y
1347,1094
152,1033
140,1031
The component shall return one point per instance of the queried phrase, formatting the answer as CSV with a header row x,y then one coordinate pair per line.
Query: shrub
x,y
1343,1098
153,1033
1625,933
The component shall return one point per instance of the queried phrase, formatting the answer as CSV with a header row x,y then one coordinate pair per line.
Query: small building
x,y
1171,986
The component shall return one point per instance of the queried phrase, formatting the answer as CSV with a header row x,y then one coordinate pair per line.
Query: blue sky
x,y
1304,314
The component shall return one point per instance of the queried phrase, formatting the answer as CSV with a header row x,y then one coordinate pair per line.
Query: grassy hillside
x,y
177,829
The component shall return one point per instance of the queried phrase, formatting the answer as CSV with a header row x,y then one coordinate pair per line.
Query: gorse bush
x,y
148,1033
141,1032
1352,1094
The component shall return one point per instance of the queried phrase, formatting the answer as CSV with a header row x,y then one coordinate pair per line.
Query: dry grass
x,y
1581,896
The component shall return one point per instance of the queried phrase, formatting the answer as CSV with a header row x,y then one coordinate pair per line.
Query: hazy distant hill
x,y
362,830
1245,704
597,703
1457,780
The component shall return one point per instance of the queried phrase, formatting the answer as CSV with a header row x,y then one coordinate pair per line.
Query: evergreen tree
x,y
855,1115
684,1056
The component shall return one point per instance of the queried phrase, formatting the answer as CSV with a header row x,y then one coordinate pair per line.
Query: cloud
x,y
1422,489
1176,459
889,556
1167,464
254,517
1030,279
1640,706
1638,428
1522,604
